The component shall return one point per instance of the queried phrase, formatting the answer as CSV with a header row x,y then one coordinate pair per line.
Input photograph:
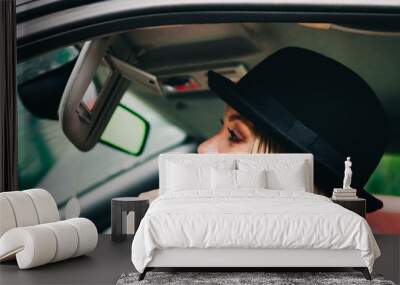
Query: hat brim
x,y
230,93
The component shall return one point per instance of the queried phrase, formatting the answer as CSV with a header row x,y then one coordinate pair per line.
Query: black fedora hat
x,y
317,105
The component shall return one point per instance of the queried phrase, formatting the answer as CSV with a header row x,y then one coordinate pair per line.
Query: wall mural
x,y
263,112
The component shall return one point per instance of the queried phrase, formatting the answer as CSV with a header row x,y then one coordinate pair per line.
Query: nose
x,y
208,146
200,148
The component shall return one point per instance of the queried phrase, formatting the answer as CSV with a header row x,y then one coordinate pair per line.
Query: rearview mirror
x,y
126,131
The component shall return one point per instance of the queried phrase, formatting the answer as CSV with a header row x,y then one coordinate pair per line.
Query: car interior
x,y
157,77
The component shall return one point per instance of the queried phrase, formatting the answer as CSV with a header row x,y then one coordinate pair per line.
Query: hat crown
x,y
328,98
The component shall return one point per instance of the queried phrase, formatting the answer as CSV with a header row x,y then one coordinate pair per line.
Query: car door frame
x,y
65,27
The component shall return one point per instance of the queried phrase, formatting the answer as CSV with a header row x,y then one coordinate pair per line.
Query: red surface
x,y
383,222
386,220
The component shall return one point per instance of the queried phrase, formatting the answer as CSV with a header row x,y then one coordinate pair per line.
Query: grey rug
x,y
232,278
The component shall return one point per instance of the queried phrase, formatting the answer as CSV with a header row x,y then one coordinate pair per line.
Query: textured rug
x,y
243,278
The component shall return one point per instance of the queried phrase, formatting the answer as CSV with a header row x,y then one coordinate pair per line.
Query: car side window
x,y
48,160
34,67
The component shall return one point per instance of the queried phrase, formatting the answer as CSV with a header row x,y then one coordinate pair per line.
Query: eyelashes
x,y
233,137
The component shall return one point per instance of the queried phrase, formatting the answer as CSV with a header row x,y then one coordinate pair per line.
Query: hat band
x,y
299,134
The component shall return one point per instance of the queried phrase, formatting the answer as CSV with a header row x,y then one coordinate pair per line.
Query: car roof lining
x,y
374,57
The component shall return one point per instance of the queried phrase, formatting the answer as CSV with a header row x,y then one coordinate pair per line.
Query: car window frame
x,y
81,23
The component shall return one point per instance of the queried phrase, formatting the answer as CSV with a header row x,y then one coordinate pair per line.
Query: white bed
x,y
198,226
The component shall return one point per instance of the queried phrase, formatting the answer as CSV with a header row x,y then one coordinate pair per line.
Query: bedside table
x,y
358,205
120,207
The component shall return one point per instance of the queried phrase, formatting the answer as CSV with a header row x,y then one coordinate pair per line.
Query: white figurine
x,y
347,174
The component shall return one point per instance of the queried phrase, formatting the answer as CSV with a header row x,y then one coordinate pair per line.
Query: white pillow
x,y
281,174
291,179
192,174
182,177
223,179
226,179
251,178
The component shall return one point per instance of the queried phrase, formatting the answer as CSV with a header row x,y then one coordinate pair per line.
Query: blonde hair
x,y
270,144
266,144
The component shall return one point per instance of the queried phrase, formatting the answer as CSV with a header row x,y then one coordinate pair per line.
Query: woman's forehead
x,y
231,114
228,110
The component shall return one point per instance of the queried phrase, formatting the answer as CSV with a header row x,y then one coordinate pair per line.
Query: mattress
x,y
251,219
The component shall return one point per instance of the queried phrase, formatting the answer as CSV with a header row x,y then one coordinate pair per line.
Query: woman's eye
x,y
232,136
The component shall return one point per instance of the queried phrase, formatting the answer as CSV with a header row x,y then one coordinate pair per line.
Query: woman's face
x,y
236,135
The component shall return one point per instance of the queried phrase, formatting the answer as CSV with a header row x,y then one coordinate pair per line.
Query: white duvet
x,y
254,218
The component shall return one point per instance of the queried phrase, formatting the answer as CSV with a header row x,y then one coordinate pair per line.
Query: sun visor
x,y
84,108
94,90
